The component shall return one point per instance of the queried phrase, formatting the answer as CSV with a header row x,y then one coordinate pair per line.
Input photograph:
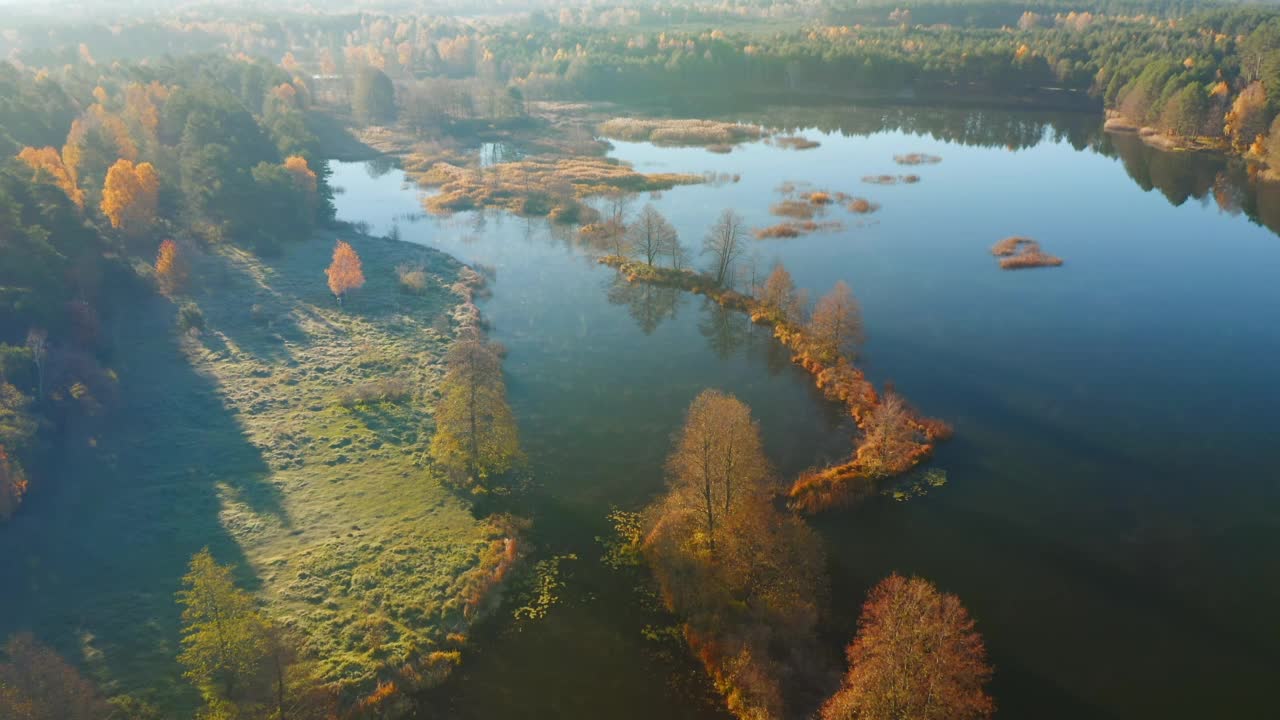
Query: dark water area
x,y
1111,516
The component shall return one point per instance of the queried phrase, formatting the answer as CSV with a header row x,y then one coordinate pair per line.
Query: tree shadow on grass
x,y
93,562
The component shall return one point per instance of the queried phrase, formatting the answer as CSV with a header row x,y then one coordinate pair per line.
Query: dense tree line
x,y
102,166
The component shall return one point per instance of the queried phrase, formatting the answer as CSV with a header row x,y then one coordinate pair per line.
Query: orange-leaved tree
x,y
345,273
130,196
304,179
171,267
916,656
49,160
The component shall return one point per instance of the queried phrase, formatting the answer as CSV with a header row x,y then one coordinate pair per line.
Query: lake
x,y
1111,516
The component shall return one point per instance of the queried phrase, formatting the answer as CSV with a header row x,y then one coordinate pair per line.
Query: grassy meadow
x,y
288,436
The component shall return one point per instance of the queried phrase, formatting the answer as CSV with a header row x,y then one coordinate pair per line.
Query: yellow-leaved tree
x,y
48,160
345,273
476,434
130,196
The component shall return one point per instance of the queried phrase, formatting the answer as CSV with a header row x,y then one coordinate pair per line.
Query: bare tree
x,y
614,208
651,235
836,326
718,465
725,243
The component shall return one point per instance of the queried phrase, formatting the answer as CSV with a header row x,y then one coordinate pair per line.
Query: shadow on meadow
x,y
93,565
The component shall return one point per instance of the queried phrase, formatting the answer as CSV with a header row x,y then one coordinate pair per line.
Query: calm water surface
x,y
1112,511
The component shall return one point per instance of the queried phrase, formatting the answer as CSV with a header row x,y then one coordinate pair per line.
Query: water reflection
x,y
647,304
1178,176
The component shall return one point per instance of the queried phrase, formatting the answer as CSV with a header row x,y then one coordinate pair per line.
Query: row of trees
x,y
748,582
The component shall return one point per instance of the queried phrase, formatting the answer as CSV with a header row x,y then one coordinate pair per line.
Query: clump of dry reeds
x,y
795,209
917,159
795,228
795,142
862,206
1018,253
680,131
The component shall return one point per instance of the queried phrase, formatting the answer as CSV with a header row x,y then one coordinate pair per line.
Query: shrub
x,y
389,389
190,318
413,278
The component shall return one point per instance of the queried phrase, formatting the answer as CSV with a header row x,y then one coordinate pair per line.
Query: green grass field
x,y
238,438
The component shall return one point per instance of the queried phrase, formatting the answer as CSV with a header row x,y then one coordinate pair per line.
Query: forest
x,y
350,493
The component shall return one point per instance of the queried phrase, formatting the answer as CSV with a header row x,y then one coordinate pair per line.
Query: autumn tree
x,y
304,179
916,656
171,267
225,639
778,294
836,326
345,273
651,234
725,243
1246,120
37,684
49,161
476,435
130,196
890,440
718,464
746,579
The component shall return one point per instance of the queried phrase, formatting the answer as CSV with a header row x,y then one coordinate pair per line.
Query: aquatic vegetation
x,y
801,209
680,131
917,159
547,586
862,206
541,185
795,142
623,547
819,197
1018,253
795,229
890,179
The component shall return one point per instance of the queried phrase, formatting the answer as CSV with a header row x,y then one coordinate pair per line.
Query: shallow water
x,y
1110,516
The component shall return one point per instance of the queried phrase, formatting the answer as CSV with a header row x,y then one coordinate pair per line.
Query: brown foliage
x,y
345,273
130,196
836,326
916,655
37,684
